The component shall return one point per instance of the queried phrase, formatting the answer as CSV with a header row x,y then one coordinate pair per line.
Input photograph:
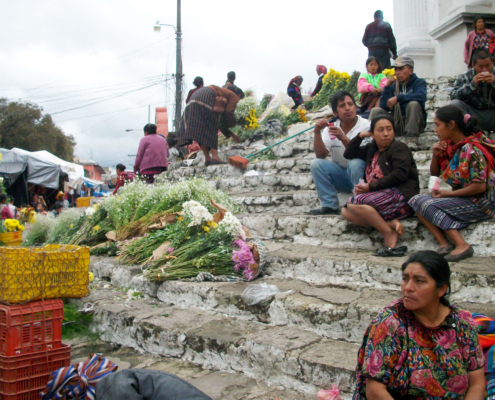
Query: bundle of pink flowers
x,y
243,258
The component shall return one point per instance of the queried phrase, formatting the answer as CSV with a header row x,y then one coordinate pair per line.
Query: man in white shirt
x,y
337,174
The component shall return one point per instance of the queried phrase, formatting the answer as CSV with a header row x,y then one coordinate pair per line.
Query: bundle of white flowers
x,y
196,212
232,226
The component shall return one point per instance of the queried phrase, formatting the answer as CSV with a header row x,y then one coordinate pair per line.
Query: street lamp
x,y
178,68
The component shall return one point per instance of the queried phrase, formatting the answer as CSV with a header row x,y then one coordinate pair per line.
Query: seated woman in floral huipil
x,y
421,347
465,160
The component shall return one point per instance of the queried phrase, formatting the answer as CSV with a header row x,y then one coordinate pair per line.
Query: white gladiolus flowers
x,y
232,226
196,212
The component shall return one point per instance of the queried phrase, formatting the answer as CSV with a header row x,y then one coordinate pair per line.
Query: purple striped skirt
x,y
389,203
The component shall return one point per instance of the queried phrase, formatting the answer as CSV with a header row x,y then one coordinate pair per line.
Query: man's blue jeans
x,y
330,178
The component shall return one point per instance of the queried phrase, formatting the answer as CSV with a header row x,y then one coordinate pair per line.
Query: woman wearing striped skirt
x,y
391,180
465,160
210,108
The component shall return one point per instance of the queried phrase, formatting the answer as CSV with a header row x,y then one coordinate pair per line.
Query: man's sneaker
x,y
324,211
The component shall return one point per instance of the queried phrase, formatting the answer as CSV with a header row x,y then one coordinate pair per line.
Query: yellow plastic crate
x,y
11,238
83,201
49,272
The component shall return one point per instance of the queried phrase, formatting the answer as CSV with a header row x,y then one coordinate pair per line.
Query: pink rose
x,y
375,362
473,365
446,338
402,358
480,357
420,377
465,352
467,316
455,354
392,325
458,384
401,332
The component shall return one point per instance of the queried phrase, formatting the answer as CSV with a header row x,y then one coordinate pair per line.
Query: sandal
x,y
217,162
389,252
207,163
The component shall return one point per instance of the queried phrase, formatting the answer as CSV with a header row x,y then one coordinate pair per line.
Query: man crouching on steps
x,y
337,174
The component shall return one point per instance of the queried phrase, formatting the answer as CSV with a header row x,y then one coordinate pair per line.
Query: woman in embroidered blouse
x,y
478,39
464,160
391,180
421,347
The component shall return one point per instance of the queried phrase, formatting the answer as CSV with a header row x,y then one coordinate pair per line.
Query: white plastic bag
x,y
280,99
258,292
333,394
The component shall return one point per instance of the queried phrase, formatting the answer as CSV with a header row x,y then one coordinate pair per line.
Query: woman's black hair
x,y
476,19
340,96
453,113
120,167
171,141
150,129
436,266
380,66
388,117
3,197
58,205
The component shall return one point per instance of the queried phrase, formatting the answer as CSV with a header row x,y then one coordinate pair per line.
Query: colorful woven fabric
x,y
79,380
486,335
490,389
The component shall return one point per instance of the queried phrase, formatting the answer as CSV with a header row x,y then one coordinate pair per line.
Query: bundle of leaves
x,y
334,81
111,250
78,324
265,101
91,229
40,230
63,224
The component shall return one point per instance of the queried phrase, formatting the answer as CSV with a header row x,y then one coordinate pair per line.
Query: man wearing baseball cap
x,y
198,82
405,97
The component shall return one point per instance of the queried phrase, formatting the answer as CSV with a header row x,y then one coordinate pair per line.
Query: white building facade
x,y
433,32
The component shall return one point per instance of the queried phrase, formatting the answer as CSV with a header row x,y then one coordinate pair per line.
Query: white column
x,y
416,20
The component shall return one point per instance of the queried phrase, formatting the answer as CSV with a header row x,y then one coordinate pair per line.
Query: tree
x,y
24,125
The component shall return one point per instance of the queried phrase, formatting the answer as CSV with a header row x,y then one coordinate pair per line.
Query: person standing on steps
x,y
380,40
231,85
478,39
405,97
474,91
151,158
337,174
391,179
321,70
464,158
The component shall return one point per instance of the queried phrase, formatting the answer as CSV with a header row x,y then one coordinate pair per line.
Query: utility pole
x,y
178,73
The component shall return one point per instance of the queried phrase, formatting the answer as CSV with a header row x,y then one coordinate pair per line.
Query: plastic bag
x,y
360,183
258,292
280,100
333,394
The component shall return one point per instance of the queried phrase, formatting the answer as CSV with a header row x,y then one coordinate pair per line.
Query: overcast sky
x,y
65,54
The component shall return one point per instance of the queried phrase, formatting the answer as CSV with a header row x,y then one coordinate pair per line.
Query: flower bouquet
x,y
200,242
27,215
12,225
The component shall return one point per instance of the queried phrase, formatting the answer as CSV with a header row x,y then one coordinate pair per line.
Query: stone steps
x,y
332,231
291,358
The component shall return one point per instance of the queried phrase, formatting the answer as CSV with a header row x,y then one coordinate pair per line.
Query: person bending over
x,y
337,174
391,180
123,177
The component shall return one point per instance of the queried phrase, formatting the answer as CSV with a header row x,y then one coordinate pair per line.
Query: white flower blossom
x,y
196,212
232,226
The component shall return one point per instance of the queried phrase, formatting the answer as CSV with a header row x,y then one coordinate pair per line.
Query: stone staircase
x,y
306,337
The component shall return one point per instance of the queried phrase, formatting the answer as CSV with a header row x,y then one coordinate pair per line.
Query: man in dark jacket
x,y
474,91
380,40
406,101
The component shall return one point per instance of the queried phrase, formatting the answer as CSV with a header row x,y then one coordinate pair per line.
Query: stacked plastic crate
x,y
32,283
30,348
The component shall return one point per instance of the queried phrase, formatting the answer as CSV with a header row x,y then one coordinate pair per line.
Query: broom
x,y
241,162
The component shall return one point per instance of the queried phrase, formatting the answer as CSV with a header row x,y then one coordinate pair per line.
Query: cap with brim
x,y
402,62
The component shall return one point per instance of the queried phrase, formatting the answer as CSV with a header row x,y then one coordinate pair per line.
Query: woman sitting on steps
x,y
464,158
391,180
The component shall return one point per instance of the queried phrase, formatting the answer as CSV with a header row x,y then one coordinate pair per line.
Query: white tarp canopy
x,y
44,168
